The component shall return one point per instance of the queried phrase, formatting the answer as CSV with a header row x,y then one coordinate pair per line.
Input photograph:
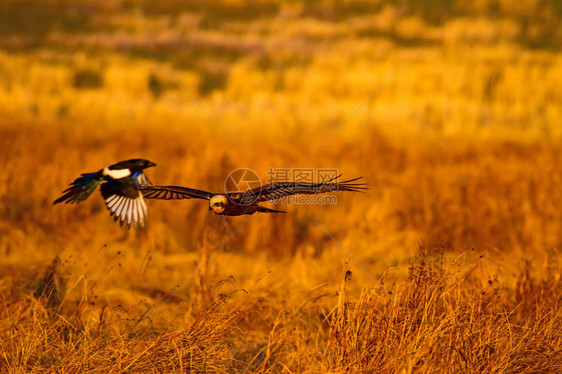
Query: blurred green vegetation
x,y
170,28
539,20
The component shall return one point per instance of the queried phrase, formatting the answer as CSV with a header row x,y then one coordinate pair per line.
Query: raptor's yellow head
x,y
218,204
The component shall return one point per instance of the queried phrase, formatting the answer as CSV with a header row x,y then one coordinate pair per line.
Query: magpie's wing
x,y
124,201
80,189
142,180
174,193
275,191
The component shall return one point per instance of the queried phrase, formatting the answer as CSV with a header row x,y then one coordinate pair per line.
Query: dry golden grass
x,y
462,150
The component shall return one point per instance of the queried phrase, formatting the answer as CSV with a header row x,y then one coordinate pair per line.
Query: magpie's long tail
x,y
80,189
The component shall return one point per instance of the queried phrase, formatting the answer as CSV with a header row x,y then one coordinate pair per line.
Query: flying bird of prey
x,y
247,202
120,183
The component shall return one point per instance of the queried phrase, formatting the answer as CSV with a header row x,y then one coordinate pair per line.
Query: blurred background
x,y
450,110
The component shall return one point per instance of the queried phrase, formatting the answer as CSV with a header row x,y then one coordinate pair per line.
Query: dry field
x,y
451,110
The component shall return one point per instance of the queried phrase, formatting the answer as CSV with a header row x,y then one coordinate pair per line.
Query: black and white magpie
x,y
120,183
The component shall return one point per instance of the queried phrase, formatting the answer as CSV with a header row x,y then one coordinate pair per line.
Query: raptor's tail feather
x,y
263,209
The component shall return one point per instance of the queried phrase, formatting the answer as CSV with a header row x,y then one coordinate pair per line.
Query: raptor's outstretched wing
x,y
174,193
275,191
